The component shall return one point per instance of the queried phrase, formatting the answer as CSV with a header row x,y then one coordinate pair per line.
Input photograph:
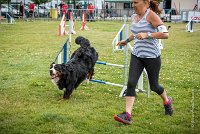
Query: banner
x,y
194,15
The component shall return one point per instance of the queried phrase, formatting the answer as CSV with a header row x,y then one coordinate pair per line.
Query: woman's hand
x,y
141,36
122,43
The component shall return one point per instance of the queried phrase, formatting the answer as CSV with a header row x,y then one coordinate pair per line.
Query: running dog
x,y
80,66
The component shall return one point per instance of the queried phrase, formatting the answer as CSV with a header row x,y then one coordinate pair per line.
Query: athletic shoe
x,y
168,107
124,118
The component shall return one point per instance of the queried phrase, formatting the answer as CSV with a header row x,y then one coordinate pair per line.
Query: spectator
x,y
64,9
60,5
91,12
107,8
85,5
21,9
77,12
31,9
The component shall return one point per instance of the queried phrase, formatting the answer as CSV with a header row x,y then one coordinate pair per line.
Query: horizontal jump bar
x,y
104,82
110,64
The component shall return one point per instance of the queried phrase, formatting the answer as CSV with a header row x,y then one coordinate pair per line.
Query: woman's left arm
x,y
156,22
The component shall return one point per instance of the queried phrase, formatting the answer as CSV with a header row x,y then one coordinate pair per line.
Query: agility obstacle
x,y
63,53
84,27
109,83
125,67
125,29
10,19
189,26
160,43
71,25
119,37
124,87
62,26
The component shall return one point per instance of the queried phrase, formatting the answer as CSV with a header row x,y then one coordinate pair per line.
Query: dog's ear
x,y
51,65
79,40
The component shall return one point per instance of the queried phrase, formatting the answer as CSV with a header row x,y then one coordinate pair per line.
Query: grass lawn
x,y
30,103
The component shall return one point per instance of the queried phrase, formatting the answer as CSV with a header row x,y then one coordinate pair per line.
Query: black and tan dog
x,y
80,66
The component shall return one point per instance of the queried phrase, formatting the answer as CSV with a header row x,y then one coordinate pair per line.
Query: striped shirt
x,y
146,48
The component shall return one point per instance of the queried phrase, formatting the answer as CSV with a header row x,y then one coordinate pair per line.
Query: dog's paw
x,y
66,98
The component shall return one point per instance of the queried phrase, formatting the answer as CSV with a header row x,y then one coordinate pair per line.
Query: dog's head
x,y
82,41
55,72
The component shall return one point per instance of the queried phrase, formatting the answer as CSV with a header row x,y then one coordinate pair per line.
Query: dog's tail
x,y
82,41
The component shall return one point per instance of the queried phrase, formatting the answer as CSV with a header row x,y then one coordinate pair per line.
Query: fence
x,y
99,14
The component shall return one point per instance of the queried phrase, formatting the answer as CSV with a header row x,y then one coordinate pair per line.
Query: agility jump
x,y
118,37
10,19
71,25
63,53
189,26
62,26
84,27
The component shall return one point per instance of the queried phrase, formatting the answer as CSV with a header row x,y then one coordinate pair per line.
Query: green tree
x,y
38,2
4,1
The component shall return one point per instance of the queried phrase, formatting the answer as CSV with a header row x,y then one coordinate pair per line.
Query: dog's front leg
x,y
67,94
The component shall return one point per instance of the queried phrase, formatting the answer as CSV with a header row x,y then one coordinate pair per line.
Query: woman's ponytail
x,y
155,6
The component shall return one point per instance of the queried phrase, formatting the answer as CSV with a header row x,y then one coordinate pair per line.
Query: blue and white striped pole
x,y
110,64
64,50
107,83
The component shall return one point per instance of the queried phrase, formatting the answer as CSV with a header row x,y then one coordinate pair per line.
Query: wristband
x,y
127,40
149,35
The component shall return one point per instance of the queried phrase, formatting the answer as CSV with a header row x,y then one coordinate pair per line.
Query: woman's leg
x,y
135,70
129,103
152,66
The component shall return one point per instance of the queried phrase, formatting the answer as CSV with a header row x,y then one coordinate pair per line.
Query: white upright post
x,y
140,83
126,55
59,58
125,63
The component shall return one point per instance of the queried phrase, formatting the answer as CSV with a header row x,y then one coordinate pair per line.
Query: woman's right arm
x,y
124,42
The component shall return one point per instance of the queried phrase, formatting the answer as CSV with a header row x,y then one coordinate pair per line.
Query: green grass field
x,y
30,103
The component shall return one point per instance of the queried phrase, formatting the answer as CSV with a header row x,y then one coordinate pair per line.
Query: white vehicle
x,y
52,4
8,9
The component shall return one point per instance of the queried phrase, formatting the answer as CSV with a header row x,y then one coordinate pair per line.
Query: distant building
x,y
166,4
180,5
119,4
